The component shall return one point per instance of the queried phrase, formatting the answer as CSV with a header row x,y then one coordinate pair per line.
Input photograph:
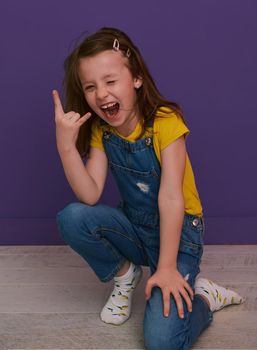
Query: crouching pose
x,y
116,117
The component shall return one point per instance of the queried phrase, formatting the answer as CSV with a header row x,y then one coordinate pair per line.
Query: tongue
x,y
112,111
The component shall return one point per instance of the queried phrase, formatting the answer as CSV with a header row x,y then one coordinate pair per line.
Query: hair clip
x,y
116,45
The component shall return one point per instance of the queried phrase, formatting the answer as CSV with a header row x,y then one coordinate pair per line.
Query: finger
x,y
148,290
74,117
57,103
71,115
166,303
179,303
185,295
190,290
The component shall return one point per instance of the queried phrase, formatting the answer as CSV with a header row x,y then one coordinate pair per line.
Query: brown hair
x,y
149,98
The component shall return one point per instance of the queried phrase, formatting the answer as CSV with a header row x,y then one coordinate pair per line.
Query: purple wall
x,y
202,54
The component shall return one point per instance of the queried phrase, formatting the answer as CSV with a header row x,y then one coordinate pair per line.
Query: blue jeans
x,y
106,238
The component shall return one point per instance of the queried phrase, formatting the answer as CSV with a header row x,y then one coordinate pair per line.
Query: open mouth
x,y
110,110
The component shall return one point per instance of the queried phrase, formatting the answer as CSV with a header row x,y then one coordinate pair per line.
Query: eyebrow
x,y
104,77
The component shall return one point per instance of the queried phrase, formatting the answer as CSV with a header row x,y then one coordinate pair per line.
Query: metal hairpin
x,y
116,47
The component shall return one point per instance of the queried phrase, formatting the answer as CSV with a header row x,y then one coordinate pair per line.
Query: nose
x,y
101,93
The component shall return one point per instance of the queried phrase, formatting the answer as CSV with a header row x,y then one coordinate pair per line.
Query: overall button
x,y
148,141
106,134
195,222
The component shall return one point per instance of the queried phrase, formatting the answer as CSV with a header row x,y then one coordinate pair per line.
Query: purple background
x,y
202,55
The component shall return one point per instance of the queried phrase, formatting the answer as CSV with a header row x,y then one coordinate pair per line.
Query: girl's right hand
x,y
67,125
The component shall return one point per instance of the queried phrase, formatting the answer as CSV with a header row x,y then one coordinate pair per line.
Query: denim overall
x,y
106,237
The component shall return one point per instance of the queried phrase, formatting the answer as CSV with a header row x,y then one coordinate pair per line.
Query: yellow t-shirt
x,y
166,129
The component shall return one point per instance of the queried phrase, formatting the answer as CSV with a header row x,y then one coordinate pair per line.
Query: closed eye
x,y
89,87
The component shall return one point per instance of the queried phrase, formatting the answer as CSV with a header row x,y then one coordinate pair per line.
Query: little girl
x,y
118,119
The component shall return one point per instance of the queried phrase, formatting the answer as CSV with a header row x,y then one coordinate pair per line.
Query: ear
x,y
138,82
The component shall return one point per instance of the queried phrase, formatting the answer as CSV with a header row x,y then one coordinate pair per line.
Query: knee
x,y
157,340
68,219
165,334
70,213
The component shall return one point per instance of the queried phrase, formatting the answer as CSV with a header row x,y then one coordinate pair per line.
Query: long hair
x,y
149,99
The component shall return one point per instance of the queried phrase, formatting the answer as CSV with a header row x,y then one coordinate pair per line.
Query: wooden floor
x,y
50,299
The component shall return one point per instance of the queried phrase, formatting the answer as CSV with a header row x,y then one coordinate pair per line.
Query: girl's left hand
x,y
171,282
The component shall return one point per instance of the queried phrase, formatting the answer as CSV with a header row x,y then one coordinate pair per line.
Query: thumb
x,y
85,117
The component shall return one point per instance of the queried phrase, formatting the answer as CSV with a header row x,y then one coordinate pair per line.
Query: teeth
x,y
108,105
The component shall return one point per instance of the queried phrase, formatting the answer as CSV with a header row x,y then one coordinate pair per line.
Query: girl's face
x,y
110,89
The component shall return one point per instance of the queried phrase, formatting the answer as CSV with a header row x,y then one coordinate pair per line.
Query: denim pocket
x,y
125,170
191,240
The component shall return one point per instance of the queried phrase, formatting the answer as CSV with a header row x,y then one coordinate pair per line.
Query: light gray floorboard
x,y
50,299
